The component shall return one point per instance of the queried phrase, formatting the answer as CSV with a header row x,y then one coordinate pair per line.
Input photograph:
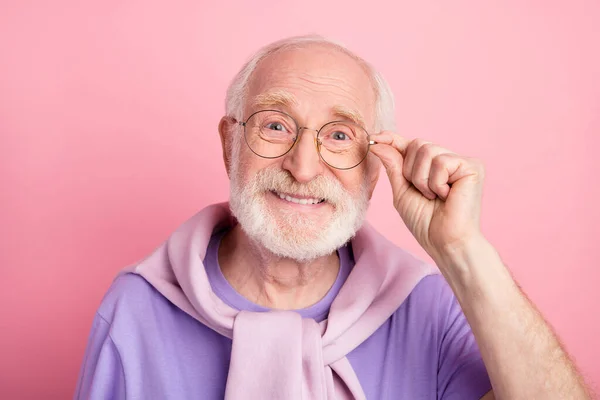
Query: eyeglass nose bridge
x,y
318,142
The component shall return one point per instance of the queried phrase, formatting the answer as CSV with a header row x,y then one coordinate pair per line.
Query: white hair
x,y
238,89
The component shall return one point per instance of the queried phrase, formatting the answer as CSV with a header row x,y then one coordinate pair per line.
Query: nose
x,y
303,161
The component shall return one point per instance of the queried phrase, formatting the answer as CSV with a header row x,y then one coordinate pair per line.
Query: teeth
x,y
298,201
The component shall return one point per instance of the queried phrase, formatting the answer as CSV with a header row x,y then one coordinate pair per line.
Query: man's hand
x,y
436,192
438,195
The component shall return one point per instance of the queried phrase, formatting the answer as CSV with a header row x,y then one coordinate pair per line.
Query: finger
x,y
393,139
410,157
466,167
392,160
442,167
422,166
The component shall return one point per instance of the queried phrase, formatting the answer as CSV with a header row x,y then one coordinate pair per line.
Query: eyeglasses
x,y
272,134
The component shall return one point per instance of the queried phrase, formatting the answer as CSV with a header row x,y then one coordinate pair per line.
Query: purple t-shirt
x,y
144,347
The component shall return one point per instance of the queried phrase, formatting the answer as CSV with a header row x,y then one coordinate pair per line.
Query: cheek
x,y
372,167
352,180
249,164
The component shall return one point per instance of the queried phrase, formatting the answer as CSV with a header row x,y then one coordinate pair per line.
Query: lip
x,y
294,195
296,205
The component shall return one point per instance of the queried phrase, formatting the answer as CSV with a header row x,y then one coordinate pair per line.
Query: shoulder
x,y
430,302
129,294
432,288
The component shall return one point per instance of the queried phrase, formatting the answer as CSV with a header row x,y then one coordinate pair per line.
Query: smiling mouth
x,y
298,200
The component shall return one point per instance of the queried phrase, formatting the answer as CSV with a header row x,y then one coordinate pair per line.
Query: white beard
x,y
296,235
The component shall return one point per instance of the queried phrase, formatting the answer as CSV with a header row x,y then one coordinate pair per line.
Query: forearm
x,y
523,356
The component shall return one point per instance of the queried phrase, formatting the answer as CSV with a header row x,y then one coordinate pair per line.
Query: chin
x,y
301,238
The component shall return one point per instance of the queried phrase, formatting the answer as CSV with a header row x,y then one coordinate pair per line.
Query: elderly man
x,y
286,293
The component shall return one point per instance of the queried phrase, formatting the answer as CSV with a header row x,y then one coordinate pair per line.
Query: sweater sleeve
x,y
101,376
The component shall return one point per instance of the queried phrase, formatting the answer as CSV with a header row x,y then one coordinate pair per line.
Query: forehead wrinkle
x,y
346,88
282,75
276,95
336,83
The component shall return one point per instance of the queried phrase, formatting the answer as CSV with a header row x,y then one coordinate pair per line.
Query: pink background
x,y
108,116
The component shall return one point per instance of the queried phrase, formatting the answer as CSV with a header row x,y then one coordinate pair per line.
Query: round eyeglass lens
x,y
343,145
270,134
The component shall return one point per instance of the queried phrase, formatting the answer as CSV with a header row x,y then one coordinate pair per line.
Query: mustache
x,y
278,180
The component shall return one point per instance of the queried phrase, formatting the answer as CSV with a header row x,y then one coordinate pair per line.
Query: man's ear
x,y
226,130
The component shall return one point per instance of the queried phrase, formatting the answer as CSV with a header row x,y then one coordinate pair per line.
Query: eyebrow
x,y
274,98
350,114
282,98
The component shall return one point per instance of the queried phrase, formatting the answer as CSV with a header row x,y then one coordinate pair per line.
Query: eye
x,y
339,136
275,126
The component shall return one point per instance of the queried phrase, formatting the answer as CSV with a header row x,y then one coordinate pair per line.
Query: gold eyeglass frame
x,y
298,131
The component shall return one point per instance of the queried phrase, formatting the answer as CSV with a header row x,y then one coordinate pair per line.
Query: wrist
x,y
461,253
472,264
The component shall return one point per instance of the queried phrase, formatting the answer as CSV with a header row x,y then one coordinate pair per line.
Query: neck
x,y
272,281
